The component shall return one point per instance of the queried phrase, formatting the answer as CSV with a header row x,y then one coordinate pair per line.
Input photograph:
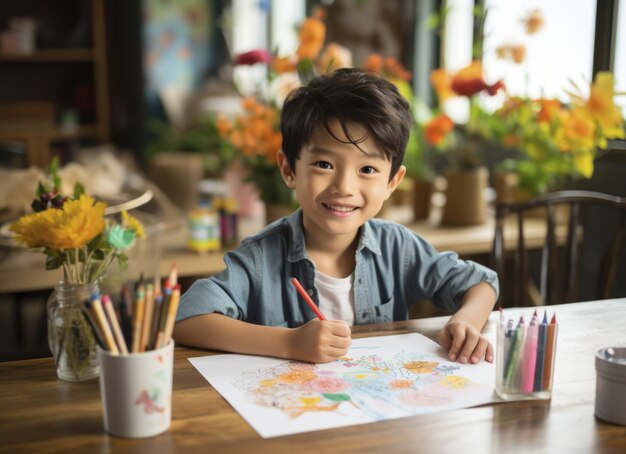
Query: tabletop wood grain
x,y
39,413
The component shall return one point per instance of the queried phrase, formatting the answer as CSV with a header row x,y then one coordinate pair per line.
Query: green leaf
x,y
99,242
41,189
79,190
99,254
122,262
53,262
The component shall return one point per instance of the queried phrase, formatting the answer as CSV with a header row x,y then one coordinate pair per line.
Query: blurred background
x,y
169,108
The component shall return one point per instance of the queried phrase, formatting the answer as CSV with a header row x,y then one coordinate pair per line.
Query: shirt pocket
x,y
384,312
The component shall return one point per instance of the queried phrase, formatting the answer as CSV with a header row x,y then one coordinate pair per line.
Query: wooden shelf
x,y
51,56
84,131
51,79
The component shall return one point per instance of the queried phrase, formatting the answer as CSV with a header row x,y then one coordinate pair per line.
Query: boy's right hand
x,y
320,341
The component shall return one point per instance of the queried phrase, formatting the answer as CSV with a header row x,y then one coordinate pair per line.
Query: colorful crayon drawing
x,y
381,378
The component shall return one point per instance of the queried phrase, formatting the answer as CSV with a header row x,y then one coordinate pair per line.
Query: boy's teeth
x,y
338,208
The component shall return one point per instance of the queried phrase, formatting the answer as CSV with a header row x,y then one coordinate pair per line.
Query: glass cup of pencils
x,y
525,352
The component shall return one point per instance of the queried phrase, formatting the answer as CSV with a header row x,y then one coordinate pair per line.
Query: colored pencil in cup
x,y
514,358
307,298
138,320
541,348
549,353
114,323
86,310
103,324
173,277
146,324
164,336
530,356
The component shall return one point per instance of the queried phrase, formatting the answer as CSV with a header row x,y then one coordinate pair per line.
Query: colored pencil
x,y
516,347
86,310
530,356
549,353
146,324
173,277
138,320
307,298
164,336
541,348
113,322
103,325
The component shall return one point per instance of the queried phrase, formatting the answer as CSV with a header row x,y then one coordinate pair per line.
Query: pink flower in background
x,y
253,57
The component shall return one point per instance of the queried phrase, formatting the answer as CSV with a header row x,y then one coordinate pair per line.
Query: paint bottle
x,y
204,228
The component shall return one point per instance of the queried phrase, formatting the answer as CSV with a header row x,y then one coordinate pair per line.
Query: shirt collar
x,y
297,247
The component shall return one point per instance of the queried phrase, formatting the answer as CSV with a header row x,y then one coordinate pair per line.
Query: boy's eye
x,y
323,165
368,170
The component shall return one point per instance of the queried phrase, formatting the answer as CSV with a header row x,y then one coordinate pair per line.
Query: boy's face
x,y
338,185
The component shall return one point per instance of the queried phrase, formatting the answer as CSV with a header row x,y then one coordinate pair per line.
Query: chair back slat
x,y
560,259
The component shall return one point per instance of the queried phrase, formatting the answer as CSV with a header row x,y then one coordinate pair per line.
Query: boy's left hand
x,y
464,343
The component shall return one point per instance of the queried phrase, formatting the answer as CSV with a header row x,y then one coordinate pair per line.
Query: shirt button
x,y
310,292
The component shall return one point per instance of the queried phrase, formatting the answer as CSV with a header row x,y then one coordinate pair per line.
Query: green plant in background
x,y
558,142
201,137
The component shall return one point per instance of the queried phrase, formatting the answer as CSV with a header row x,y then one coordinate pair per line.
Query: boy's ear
x,y
395,181
285,170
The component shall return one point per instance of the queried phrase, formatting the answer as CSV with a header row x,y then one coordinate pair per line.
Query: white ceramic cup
x,y
611,385
136,391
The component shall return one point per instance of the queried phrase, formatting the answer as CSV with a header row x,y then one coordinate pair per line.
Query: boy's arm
x,y
461,336
316,341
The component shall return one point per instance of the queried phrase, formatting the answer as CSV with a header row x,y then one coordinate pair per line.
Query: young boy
x,y
344,137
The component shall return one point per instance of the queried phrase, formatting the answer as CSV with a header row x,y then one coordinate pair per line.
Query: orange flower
x,y
388,67
334,57
514,52
578,131
601,106
373,63
223,125
312,34
282,65
548,110
469,80
438,128
533,22
442,83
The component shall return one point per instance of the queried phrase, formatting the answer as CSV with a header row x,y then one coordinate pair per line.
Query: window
x,y
620,57
562,50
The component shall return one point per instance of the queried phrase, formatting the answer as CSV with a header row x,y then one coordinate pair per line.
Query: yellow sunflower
x,y
73,226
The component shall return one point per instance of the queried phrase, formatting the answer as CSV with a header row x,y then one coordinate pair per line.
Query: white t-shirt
x,y
336,297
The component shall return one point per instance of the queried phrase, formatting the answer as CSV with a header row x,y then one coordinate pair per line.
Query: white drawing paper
x,y
380,378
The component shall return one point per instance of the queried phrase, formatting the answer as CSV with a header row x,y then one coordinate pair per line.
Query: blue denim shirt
x,y
394,268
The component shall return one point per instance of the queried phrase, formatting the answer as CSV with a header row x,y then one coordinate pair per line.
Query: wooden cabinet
x,y
57,94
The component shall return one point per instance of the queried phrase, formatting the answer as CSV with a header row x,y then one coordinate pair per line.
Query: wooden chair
x,y
559,268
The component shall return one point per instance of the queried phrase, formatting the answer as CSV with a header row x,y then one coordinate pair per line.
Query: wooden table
x,y
39,413
22,271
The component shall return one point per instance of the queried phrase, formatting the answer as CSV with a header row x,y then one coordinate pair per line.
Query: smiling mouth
x,y
340,208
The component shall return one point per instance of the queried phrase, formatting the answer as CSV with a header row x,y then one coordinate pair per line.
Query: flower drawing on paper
x,y
376,387
421,367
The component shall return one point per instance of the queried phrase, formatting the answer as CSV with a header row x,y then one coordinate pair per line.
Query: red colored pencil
x,y
307,298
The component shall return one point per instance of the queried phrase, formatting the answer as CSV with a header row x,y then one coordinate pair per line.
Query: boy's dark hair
x,y
347,95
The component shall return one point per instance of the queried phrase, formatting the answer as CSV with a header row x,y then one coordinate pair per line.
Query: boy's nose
x,y
344,183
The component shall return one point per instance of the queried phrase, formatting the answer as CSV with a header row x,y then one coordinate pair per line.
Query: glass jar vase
x,y
70,336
